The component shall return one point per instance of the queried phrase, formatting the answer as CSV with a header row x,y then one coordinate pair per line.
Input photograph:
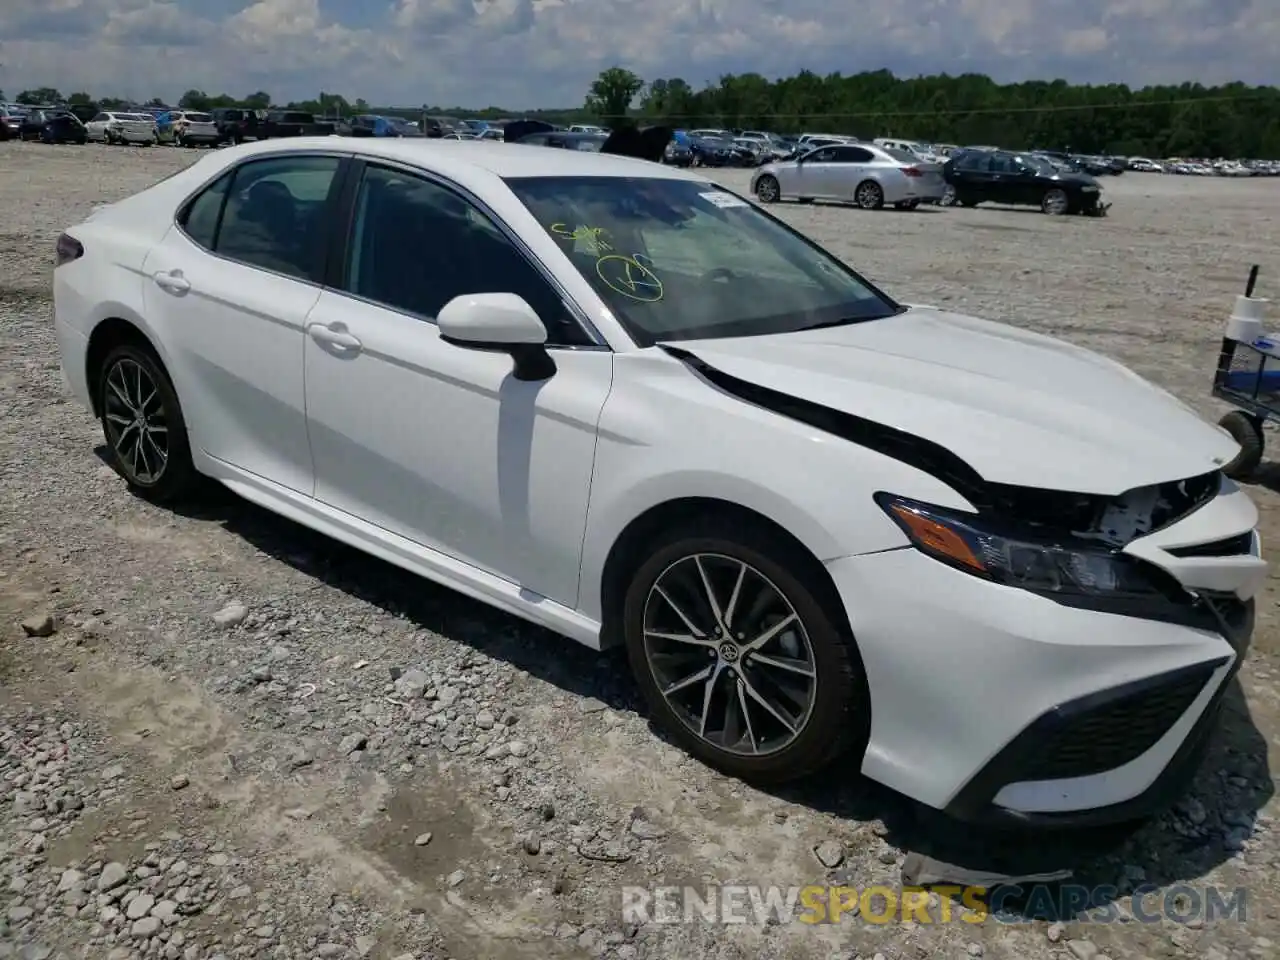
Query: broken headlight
x,y
1062,567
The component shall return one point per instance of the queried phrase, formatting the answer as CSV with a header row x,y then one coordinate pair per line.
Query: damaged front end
x,y
1088,550
1064,546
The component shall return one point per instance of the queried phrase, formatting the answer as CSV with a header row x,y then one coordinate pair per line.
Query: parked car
x,y
718,152
999,176
859,173
293,123
11,117
236,124
188,128
116,127
591,142
1021,535
395,127
648,143
678,154
439,126
52,126
32,121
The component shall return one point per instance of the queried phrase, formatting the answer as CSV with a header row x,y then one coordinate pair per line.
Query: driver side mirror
x,y
499,321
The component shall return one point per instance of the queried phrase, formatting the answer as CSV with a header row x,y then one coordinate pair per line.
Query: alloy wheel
x,y
136,422
1055,203
729,654
767,189
869,195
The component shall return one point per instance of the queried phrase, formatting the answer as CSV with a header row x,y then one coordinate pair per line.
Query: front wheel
x,y
742,664
143,425
869,195
767,189
1246,431
1055,202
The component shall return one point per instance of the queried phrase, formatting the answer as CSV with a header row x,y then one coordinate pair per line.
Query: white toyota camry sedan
x,y
991,570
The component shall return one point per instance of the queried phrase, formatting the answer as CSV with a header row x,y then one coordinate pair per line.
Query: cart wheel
x,y
1246,431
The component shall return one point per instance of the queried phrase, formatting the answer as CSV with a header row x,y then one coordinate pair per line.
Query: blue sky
x,y
526,53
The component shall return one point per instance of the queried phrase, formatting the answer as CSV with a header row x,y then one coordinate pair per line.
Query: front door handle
x,y
334,335
171,281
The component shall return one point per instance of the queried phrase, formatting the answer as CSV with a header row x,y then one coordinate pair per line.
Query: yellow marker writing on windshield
x,y
590,235
630,277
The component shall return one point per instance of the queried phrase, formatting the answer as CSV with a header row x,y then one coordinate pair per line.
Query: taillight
x,y
68,249
913,171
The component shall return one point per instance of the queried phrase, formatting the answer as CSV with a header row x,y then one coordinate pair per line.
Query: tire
x,y
1245,430
834,719
869,195
948,197
767,189
1055,202
165,482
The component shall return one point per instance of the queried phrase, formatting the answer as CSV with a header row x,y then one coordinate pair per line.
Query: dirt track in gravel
x,y
264,783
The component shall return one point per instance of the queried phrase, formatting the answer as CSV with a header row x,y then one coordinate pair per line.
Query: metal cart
x,y
1248,377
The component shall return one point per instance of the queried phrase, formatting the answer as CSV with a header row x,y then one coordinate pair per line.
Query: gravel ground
x,y
228,737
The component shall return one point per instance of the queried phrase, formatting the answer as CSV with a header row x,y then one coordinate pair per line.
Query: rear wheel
x,y
869,195
143,424
741,662
767,189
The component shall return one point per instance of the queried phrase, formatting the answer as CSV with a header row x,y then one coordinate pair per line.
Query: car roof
x,y
457,159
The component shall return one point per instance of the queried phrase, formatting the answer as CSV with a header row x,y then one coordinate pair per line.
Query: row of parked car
x,y
1207,168
187,128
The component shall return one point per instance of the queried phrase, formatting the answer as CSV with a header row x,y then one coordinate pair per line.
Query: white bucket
x,y
1245,325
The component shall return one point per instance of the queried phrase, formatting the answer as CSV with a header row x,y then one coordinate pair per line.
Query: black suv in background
x,y
1019,179
53,125
236,124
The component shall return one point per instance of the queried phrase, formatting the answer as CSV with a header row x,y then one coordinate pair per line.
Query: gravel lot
x,y
241,740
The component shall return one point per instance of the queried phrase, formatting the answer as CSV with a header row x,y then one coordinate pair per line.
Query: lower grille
x,y
1115,733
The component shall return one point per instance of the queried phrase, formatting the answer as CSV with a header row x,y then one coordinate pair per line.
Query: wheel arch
x,y
627,552
107,334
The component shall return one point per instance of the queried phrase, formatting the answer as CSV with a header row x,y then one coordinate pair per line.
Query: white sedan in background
x,y
115,127
861,173
996,572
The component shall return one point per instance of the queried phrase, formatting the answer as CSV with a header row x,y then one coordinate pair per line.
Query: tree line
x,y
1189,119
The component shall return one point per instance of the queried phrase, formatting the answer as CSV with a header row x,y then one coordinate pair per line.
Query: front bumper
x,y
1000,706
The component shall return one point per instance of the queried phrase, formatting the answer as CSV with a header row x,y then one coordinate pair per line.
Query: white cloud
x,y
545,52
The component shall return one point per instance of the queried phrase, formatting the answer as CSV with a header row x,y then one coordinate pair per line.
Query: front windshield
x,y
686,260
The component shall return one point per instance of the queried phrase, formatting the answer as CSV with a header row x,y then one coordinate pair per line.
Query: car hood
x,y
1020,408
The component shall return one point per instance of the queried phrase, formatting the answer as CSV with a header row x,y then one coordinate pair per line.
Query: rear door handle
x,y
334,337
172,281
